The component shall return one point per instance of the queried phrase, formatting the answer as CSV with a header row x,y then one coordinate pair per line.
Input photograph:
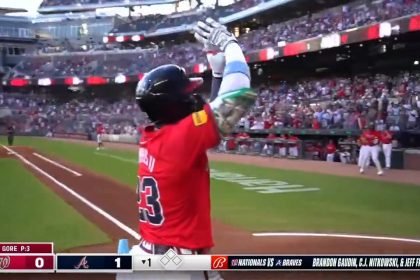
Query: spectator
x,y
412,118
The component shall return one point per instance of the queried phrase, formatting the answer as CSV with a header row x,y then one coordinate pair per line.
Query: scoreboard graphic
x,y
40,257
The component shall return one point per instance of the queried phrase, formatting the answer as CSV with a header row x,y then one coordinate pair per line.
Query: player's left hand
x,y
212,33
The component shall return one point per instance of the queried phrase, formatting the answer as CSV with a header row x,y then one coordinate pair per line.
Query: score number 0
x,y
39,262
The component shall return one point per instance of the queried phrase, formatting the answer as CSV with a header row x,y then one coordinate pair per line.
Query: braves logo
x,y
82,264
219,262
4,262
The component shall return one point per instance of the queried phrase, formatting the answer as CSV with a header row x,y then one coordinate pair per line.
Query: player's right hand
x,y
217,63
213,33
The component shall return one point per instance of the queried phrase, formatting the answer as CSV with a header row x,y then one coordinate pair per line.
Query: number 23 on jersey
x,y
150,208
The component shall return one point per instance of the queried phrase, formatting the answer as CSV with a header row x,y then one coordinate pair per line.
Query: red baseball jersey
x,y
271,136
283,138
100,130
371,137
386,137
174,182
243,135
362,141
293,138
331,148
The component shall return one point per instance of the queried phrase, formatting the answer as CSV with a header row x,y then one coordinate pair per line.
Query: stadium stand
x,y
40,114
333,103
150,23
50,3
189,54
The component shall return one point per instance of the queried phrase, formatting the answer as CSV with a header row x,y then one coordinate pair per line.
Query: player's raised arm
x,y
235,96
217,63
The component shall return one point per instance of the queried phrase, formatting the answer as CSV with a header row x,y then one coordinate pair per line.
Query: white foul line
x,y
84,200
57,164
337,235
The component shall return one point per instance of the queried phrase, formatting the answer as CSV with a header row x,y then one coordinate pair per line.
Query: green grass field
x,y
343,204
30,211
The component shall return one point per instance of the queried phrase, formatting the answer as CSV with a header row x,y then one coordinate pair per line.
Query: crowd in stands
x,y
188,54
342,103
108,65
150,23
311,25
51,3
42,114
389,101
328,21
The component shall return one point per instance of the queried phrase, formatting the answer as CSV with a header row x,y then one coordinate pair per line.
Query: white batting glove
x,y
211,32
217,63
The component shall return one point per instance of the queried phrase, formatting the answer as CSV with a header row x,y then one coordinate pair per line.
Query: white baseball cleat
x,y
361,171
380,173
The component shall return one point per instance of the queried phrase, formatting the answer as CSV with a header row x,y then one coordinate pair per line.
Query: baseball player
x,y
293,148
386,140
173,174
268,148
372,138
10,134
282,145
242,140
363,153
100,131
331,149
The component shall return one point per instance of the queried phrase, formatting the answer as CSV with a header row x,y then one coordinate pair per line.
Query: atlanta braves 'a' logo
x,y
83,264
4,262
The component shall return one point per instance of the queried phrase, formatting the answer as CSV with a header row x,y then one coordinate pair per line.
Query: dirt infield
x,y
4,153
120,201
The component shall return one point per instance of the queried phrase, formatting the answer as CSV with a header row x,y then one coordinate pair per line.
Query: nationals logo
x,y
4,262
82,264
219,262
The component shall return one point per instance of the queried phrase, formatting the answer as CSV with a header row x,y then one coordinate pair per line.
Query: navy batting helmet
x,y
166,95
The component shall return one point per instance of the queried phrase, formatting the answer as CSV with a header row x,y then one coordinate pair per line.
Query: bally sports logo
x,y
219,262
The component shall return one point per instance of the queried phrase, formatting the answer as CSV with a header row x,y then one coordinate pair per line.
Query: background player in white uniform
x,y
386,140
372,138
100,130
363,153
